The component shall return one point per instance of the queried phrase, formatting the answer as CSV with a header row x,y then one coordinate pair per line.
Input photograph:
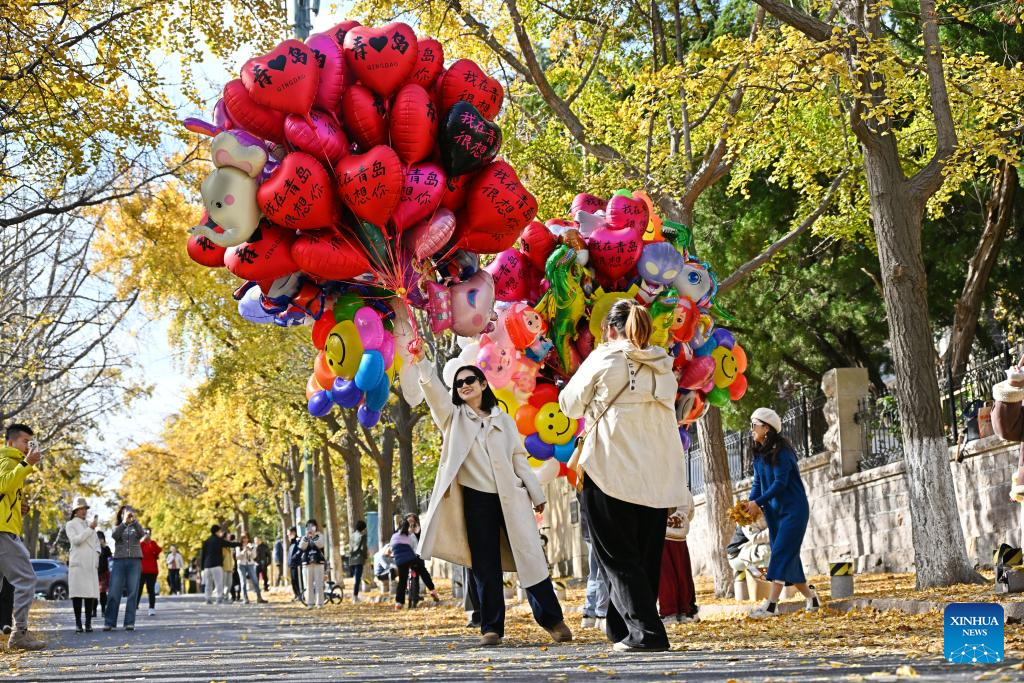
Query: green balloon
x,y
622,193
718,397
346,305
375,244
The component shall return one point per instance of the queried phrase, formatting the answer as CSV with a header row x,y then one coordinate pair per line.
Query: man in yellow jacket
x,y
16,461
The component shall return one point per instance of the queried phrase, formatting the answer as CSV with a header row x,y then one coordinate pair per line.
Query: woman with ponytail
x,y
631,469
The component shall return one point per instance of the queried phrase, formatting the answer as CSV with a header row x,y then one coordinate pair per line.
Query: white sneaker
x,y
152,611
670,619
600,624
765,611
812,604
588,622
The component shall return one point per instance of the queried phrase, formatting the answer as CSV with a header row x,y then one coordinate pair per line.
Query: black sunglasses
x,y
467,382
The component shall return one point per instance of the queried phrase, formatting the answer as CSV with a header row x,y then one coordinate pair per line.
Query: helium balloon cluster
x,y
555,289
359,164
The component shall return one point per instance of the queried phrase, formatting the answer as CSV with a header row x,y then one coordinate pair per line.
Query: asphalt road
x,y
188,640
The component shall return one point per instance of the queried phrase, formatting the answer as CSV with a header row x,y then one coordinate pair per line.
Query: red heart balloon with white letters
x,y
422,189
413,122
371,184
587,203
325,139
497,208
365,114
204,252
429,63
465,81
613,253
284,79
245,113
329,255
266,256
626,212
381,58
333,70
298,194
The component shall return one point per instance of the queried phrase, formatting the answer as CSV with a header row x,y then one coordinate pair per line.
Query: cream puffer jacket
x,y
633,453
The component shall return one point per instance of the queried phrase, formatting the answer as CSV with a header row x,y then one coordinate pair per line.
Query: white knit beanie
x,y
769,417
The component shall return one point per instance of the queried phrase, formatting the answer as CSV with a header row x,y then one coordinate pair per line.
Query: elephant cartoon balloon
x,y
229,193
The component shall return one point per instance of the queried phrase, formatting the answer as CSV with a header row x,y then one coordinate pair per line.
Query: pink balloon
x,y
627,212
614,253
423,185
514,277
324,139
471,303
439,306
428,236
387,350
371,330
333,71
497,361
587,203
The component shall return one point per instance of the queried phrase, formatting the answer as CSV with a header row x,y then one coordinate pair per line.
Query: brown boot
x,y
23,640
490,639
560,633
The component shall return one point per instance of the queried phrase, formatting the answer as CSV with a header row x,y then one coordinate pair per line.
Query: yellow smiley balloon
x,y
507,400
343,349
553,426
726,367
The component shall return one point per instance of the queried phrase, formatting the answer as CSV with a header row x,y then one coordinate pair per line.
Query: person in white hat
x,y
779,494
83,563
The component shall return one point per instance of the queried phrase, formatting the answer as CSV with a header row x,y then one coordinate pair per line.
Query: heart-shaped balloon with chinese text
x,y
285,79
429,63
333,69
468,141
329,255
513,275
413,123
365,114
381,58
422,189
626,212
204,252
244,112
266,256
298,194
613,253
537,243
497,209
370,184
324,139
465,81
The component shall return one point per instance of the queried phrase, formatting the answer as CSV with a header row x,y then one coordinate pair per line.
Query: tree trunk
x,y
940,555
385,487
718,495
404,423
353,487
30,528
334,532
998,213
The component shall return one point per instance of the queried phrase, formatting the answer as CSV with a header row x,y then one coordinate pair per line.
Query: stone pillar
x,y
843,389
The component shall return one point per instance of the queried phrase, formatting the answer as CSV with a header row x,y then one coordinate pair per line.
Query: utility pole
x,y
303,19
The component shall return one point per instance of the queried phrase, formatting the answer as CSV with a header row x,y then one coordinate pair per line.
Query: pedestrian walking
x,y
279,557
677,595
245,558
595,600
232,582
126,570
103,572
213,564
481,511
357,552
295,565
313,561
83,564
150,570
631,465
17,459
262,561
175,563
778,493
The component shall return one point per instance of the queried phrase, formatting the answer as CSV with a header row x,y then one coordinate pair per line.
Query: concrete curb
x,y
1014,610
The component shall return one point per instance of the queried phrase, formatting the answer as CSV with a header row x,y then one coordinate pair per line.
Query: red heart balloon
x,y
204,252
365,114
431,234
381,58
286,78
322,328
513,275
613,253
371,184
298,194
455,198
413,122
537,243
245,113
338,33
329,255
429,63
333,69
465,81
325,139
588,203
626,212
422,189
497,208
266,256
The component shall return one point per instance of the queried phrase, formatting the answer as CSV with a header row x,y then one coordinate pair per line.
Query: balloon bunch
x,y
357,163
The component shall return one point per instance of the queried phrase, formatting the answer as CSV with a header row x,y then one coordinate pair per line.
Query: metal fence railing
x,y
880,433
803,423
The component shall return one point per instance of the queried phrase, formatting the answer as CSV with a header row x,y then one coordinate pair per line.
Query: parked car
x,y
51,579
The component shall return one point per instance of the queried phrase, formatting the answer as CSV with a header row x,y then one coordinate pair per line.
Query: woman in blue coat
x,y
778,493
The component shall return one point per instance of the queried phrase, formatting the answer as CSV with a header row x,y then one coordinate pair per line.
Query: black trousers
x,y
403,578
296,576
6,604
149,581
174,581
628,540
261,571
90,608
484,525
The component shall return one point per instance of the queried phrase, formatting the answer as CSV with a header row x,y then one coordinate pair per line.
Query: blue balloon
x,y
371,369
706,349
538,449
250,308
367,417
377,396
320,403
684,436
346,393
723,337
563,452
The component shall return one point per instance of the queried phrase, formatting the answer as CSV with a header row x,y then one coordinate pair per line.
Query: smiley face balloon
x,y
343,349
553,426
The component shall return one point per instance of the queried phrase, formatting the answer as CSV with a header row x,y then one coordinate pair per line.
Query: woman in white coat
x,y
632,469
481,509
83,563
